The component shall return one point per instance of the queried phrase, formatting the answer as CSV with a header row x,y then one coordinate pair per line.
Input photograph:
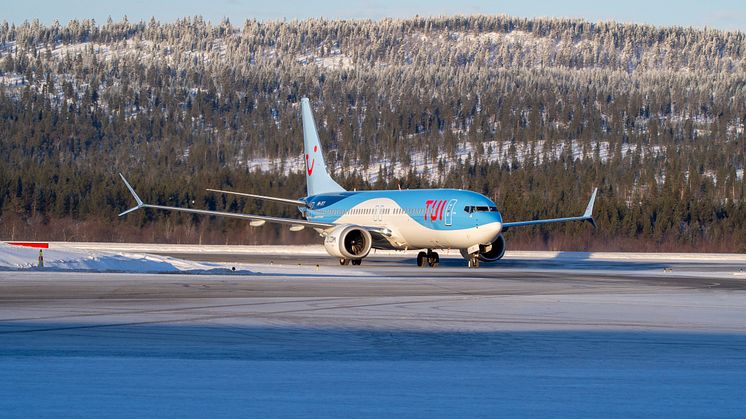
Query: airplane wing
x,y
280,220
297,202
587,216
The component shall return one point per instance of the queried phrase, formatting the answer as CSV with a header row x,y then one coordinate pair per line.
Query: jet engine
x,y
348,242
491,252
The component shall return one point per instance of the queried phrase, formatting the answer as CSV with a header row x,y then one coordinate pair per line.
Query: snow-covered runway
x,y
565,336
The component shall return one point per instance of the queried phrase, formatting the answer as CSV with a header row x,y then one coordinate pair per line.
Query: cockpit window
x,y
479,208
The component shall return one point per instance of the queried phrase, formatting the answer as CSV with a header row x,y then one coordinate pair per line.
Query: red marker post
x,y
38,245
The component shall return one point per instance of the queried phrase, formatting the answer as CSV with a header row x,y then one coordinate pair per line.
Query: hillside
x,y
532,113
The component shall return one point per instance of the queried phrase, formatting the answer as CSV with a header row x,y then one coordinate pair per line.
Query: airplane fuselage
x,y
413,219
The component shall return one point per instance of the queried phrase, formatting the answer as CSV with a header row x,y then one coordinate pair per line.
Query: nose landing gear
x,y
473,261
429,257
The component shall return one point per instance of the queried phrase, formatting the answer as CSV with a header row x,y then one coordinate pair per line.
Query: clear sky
x,y
721,14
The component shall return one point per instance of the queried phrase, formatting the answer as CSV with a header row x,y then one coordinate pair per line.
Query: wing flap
x,y
297,202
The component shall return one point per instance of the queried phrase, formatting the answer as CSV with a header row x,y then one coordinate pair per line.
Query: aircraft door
x,y
378,216
449,211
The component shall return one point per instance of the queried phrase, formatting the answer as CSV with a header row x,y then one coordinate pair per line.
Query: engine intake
x,y
490,253
493,252
348,242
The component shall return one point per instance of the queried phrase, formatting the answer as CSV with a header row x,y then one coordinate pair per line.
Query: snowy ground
x,y
175,258
203,372
60,258
543,334
292,260
319,250
124,345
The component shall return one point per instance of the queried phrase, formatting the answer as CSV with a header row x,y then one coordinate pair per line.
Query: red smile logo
x,y
434,209
313,162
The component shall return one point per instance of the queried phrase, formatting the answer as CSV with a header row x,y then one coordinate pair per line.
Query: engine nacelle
x,y
494,252
348,242
489,253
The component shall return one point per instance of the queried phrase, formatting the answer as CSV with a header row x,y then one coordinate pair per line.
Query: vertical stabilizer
x,y
318,180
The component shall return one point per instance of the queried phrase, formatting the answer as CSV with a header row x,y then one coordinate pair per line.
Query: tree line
x,y
531,112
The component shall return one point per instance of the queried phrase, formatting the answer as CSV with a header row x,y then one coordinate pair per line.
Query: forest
x,y
533,113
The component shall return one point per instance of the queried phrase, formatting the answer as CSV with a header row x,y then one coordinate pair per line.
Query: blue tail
x,y
318,180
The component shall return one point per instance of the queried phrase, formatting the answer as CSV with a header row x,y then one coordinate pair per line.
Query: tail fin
x,y
317,178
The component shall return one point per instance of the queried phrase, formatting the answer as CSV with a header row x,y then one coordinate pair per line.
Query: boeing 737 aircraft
x,y
353,223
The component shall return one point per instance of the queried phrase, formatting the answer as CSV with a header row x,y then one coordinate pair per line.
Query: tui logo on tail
x,y
318,180
313,161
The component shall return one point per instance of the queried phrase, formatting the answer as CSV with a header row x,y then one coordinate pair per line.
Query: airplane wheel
x,y
421,257
344,262
473,262
357,262
433,259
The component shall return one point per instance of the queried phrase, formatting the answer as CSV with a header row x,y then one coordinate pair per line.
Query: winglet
x,y
588,215
137,198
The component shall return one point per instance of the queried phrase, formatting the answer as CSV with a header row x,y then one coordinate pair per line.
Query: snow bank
x,y
313,249
318,250
60,259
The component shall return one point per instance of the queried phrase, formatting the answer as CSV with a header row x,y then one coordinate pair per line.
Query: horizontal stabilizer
x,y
250,217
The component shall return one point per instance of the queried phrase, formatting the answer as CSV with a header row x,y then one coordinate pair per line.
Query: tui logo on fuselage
x,y
434,209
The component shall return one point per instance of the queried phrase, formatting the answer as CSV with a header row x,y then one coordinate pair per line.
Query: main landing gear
x,y
431,258
345,262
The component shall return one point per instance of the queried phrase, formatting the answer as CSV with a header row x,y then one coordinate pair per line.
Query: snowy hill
x,y
533,113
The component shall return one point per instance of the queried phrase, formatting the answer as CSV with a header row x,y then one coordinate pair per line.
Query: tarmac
x,y
569,335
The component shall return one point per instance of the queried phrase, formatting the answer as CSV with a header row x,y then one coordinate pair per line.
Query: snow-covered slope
x,y
22,258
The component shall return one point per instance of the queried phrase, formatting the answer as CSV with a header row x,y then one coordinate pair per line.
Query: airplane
x,y
354,222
